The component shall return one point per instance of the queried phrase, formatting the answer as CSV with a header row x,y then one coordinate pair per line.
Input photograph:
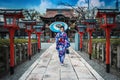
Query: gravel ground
x,y
19,70
100,67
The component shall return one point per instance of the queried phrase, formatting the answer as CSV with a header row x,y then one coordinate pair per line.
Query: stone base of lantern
x,y
38,50
107,68
11,70
81,49
90,56
29,57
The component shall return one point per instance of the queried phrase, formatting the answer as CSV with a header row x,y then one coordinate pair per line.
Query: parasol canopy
x,y
55,26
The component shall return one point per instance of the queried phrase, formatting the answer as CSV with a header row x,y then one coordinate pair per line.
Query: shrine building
x,y
62,15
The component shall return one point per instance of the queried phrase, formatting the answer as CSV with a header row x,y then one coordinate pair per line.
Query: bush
x,y
113,41
4,42
16,41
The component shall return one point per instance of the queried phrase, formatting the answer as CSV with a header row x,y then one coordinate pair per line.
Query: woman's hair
x,y
62,27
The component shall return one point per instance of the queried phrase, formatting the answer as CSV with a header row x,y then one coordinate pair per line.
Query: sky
x,y
42,5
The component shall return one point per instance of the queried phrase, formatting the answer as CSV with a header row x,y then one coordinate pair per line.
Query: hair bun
x,y
61,26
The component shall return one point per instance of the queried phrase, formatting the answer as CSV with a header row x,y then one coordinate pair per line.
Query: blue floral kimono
x,y
62,44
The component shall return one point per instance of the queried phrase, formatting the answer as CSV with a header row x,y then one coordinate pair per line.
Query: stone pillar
x,y
32,49
110,53
85,46
33,52
98,48
94,50
36,47
88,47
118,57
6,52
20,53
103,53
77,41
26,51
15,55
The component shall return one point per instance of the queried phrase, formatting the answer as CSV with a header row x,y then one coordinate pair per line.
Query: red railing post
x,y
81,42
39,46
12,31
107,50
90,42
29,45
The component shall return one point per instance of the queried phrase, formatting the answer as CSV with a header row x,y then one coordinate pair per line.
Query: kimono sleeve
x,y
67,43
57,40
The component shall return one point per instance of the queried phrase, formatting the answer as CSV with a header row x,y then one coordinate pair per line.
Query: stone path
x,y
20,69
47,67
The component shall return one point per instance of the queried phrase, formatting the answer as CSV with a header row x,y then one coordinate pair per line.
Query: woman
x,y
62,44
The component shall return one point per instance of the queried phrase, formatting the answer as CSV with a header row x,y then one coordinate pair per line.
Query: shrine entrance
x,y
59,15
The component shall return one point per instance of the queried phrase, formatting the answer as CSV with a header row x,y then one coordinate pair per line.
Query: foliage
x,y
32,14
98,40
16,41
113,41
4,42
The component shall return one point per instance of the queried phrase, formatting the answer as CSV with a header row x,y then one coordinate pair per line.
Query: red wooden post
x,y
90,28
81,37
10,17
90,44
107,49
107,17
90,31
39,42
29,29
29,46
81,41
29,32
38,31
12,31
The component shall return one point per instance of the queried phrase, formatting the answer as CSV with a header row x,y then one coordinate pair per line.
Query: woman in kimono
x,y
62,44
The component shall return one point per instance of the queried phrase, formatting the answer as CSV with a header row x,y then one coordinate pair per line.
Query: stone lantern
x,y
11,17
107,22
81,31
38,31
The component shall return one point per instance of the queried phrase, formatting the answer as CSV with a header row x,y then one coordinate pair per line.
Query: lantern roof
x,y
81,26
89,21
39,23
29,22
37,28
12,12
101,12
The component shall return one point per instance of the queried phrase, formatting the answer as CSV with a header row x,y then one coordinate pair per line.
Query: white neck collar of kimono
x,y
62,32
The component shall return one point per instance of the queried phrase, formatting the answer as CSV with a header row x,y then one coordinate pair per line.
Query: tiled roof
x,y
65,12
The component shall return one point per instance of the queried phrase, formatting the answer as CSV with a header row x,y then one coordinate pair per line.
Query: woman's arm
x,y
67,43
57,37
57,40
